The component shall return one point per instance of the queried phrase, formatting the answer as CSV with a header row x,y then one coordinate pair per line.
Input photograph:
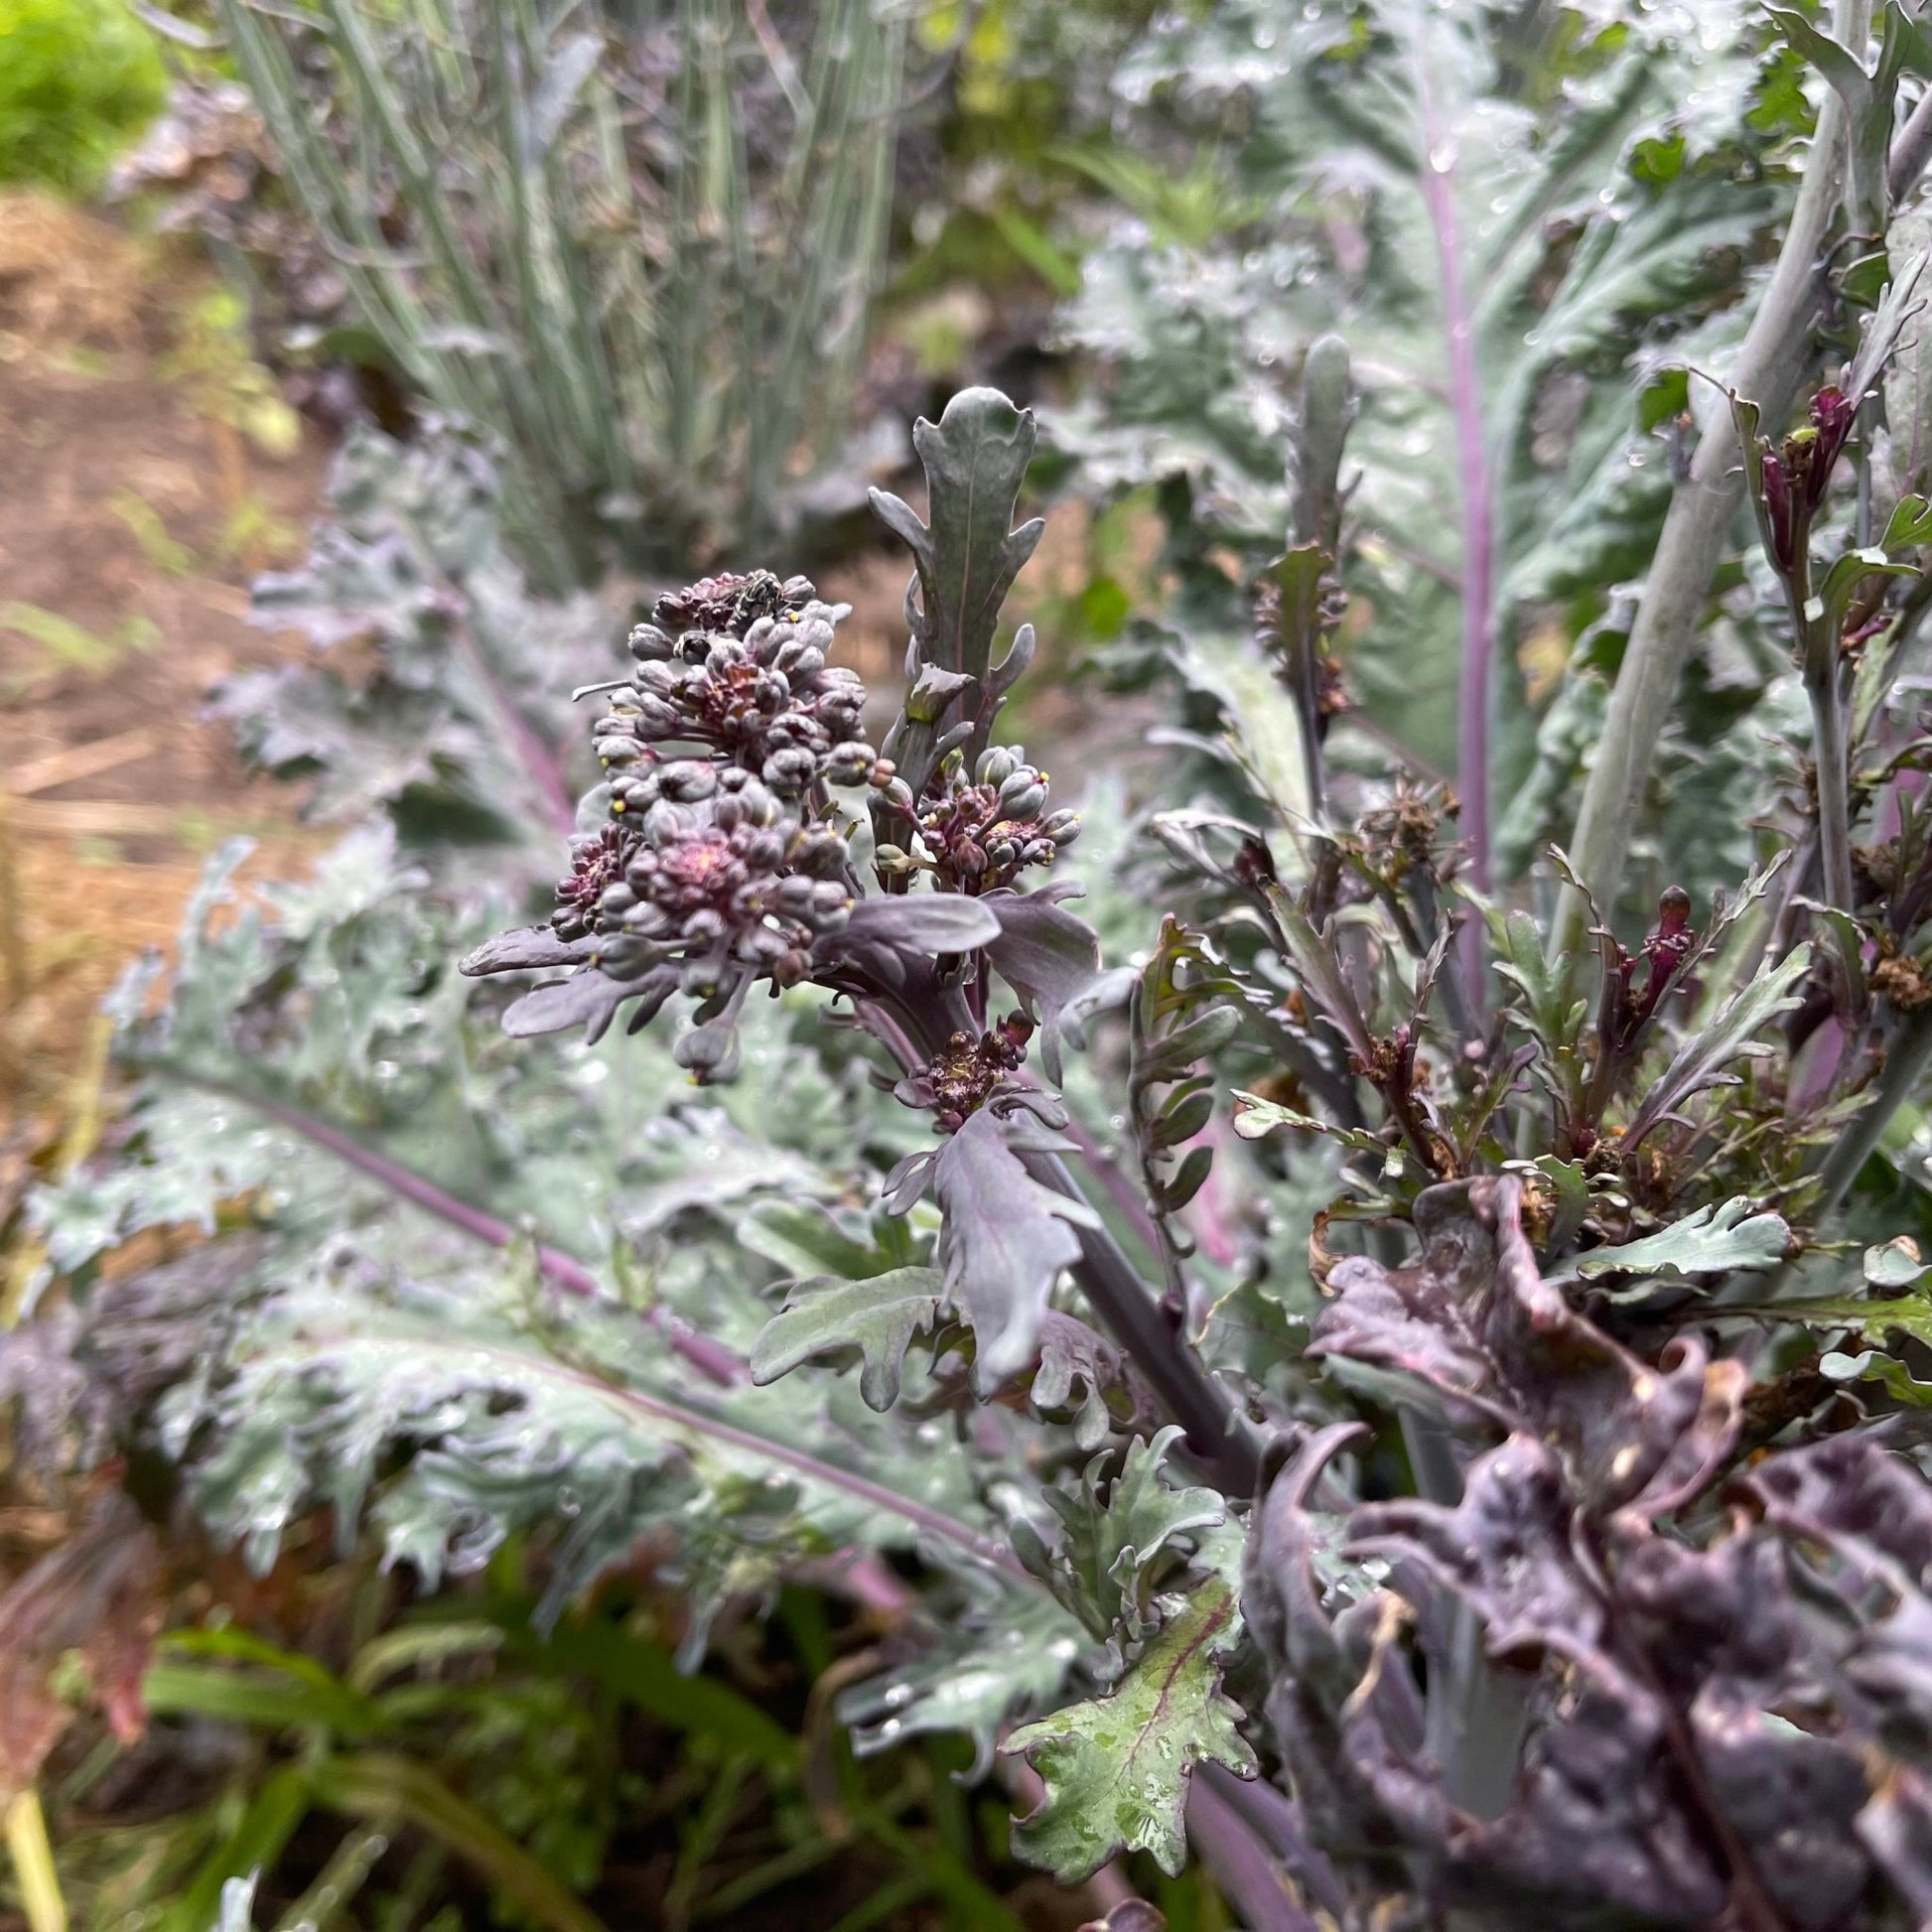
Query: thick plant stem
x,y
1768,370
704,1354
1829,754
1476,1716
1912,149
1478,535
1244,1868
1273,1819
1220,1436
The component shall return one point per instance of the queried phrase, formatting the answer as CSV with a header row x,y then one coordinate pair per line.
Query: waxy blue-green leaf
x,y
1710,1240
831,1319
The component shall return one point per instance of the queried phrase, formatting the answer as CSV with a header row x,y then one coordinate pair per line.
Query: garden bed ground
x,y
132,515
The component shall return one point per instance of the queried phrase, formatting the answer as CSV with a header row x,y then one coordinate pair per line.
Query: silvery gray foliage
x,y
1601,191
456,721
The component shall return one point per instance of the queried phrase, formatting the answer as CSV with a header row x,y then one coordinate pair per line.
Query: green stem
x,y
1775,353
1829,755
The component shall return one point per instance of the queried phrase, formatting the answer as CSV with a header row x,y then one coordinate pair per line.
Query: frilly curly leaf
x,y
1117,1769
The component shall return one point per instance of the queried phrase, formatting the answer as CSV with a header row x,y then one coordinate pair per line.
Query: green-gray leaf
x,y
975,456
875,1320
804,1239
1005,1240
1894,1265
1713,1241
1116,1768
1729,1036
1889,1371
1112,1554
1909,1314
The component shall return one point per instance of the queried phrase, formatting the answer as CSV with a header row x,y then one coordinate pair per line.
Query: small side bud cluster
x,y
1331,694
595,863
1629,1007
974,835
1798,472
960,1081
1405,835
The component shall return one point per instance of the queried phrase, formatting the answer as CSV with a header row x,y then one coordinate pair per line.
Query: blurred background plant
x,y
78,79
635,246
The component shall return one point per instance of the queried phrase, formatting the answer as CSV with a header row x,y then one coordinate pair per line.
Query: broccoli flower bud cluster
x,y
728,882
744,680
722,863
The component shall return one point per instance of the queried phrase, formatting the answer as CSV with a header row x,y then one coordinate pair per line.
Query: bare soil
x,y
133,512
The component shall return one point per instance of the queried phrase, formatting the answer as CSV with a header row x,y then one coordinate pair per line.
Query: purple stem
x,y
1115,1184
1478,532
663,1409
709,1357
1273,1819
537,758
1247,1874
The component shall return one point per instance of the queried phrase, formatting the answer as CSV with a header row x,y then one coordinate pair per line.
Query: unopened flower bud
x,y
765,850
995,765
790,769
687,781
850,762
799,661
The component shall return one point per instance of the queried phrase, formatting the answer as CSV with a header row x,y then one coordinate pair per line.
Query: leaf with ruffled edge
x,y
1112,1554
1710,1241
1005,1236
1117,1769
875,1320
